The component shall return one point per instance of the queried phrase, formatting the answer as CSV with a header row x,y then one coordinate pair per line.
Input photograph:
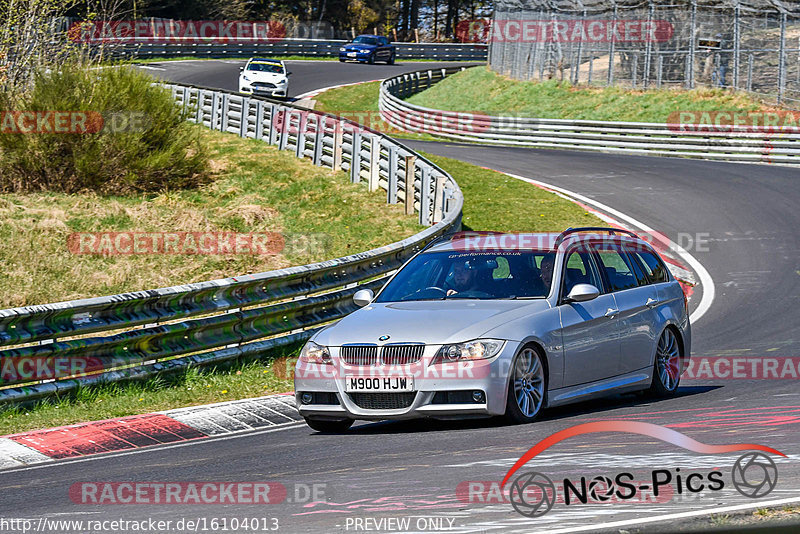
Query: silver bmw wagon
x,y
486,324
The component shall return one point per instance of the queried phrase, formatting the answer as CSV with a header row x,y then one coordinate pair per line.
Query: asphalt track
x,y
412,470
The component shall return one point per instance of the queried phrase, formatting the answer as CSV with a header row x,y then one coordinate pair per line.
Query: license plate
x,y
355,384
351,54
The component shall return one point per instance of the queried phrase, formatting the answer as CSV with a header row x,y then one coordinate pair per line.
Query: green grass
x,y
255,188
493,201
481,90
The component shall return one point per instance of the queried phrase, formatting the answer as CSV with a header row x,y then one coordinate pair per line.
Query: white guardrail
x,y
735,144
138,334
290,47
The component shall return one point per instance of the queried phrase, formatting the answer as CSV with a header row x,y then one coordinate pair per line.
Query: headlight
x,y
245,78
342,49
282,82
477,349
363,51
314,353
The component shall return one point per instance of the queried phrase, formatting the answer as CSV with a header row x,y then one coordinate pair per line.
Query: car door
x,y
383,48
589,330
636,301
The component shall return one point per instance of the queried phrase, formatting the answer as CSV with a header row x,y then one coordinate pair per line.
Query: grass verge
x,y
481,90
255,188
493,201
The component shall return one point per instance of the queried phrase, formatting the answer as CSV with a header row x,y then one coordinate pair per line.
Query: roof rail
x,y
612,231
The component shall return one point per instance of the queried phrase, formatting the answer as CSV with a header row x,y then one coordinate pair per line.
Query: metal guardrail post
x,y
225,109
338,134
355,158
286,118
245,119
300,149
274,117
408,184
374,162
320,127
391,193
259,119
425,196
438,200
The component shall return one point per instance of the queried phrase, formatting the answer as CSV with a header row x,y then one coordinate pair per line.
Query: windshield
x,y
265,67
472,275
365,40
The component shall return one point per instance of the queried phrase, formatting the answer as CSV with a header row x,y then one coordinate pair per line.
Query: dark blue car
x,y
368,49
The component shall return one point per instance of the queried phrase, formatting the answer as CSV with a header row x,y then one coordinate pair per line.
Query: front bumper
x,y
328,382
359,56
280,91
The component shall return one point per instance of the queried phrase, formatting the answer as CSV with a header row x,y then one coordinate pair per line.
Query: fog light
x,y
477,396
306,398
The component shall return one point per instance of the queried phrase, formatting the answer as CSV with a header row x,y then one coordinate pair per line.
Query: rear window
x,y
653,266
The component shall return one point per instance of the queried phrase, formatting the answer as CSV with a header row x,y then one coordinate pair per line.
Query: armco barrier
x,y
134,335
291,47
738,144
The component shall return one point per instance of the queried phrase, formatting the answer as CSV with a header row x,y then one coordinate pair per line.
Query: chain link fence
x,y
751,46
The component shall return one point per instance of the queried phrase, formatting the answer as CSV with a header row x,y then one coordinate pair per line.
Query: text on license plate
x,y
366,383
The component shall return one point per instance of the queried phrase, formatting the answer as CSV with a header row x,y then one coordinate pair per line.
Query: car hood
x,y
359,46
431,322
257,76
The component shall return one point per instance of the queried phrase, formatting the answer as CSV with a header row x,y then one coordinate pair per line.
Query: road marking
x,y
706,281
669,517
199,441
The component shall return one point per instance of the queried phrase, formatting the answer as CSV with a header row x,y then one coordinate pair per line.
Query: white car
x,y
264,77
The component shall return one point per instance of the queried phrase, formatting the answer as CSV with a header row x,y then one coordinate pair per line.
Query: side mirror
x,y
582,293
363,297
241,69
289,73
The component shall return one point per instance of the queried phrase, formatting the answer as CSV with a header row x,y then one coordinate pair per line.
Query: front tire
x,y
527,387
328,426
390,61
667,366
371,59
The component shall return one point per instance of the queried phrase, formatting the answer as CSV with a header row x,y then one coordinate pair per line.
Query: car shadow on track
x,y
596,406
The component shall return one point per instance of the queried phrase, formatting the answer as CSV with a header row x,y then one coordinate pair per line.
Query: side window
x,y
503,271
618,272
579,269
638,271
654,268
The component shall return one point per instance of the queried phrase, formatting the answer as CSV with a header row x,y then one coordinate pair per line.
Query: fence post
x,y
355,157
408,184
425,196
692,39
580,52
749,72
391,193
338,134
659,70
374,162
648,47
634,69
736,37
782,61
610,80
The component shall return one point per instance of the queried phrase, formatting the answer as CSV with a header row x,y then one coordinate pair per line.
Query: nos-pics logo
x,y
533,494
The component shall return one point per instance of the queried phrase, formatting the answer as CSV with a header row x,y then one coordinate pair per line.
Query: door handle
x,y
611,312
651,303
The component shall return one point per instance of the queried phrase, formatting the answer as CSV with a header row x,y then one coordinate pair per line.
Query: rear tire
x,y
329,426
667,366
527,387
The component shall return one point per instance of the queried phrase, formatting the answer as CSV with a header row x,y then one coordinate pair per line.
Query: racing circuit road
x,y
749,215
